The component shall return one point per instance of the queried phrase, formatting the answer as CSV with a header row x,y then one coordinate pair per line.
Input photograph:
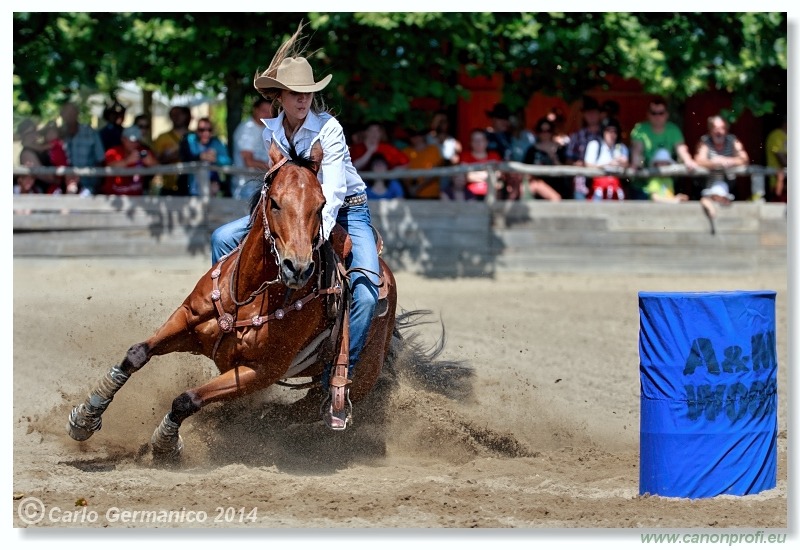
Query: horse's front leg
x,y
166,441
86,418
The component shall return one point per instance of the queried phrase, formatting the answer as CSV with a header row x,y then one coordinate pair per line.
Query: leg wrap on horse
x,y
166,442
85,419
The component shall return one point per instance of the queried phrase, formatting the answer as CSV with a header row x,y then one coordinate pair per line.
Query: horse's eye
x,y
273,205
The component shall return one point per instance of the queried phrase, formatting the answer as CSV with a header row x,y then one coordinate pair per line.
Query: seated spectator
x,y
475,185
662,188
520,141
777,158
576,150
27,184
57,155
421,156
609,153
546,152
556,117
167,148
449,148
34,154
131,153
203,145
382,187
718,150
375,141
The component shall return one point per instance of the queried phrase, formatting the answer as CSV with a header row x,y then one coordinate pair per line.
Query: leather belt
x,y
355,200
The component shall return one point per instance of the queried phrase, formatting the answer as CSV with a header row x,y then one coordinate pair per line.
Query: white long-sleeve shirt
x,y
337,174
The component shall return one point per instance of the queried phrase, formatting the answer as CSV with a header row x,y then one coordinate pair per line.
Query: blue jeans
x,y
356,221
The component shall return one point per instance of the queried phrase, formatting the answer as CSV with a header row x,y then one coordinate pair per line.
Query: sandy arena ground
x,y
548,441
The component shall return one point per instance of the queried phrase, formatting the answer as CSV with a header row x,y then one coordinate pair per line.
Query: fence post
x,y
491,192
202,176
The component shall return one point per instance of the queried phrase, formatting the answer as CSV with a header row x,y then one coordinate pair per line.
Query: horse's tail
x,y
410,356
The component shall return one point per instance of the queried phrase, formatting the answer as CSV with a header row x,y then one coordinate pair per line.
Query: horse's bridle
x,y
268,177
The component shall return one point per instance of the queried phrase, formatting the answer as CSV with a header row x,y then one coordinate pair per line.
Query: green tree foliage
x,y
380,61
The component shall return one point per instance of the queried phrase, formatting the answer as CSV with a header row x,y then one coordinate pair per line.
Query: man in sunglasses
x,y
657,132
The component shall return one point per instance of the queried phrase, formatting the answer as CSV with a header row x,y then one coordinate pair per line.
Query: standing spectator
x,y
521,140
657,132
576,149
718,150
143,122
203,145
57,156
608,152
84,148
475,184
167,148
545,152
421,156
777,156
130,153
499,131
382,186
111,133
248,149
449,148
375,141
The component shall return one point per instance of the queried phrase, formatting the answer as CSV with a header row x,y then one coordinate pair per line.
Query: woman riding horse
x,y
302,122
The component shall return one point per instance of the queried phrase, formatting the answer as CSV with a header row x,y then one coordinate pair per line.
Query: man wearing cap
x,y
499,133
130,153
578,141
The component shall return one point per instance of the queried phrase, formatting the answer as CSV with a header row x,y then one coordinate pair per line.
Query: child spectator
x,y
381,187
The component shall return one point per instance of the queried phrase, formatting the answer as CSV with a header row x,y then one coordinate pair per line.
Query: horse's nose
x,y
296,275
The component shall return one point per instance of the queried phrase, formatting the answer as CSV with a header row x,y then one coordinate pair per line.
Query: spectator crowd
x,y
600,142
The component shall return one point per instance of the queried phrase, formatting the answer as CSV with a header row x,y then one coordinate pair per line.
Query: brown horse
x,y
264,313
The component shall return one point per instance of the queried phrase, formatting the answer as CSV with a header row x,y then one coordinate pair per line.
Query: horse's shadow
x,y
294,439
291,440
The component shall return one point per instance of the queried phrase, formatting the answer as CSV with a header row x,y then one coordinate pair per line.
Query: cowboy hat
x,y
295,74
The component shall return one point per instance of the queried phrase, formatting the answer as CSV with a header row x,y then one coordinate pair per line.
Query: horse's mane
x,y
299,159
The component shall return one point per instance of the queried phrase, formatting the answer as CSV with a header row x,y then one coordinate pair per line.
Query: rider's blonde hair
x,y
291,48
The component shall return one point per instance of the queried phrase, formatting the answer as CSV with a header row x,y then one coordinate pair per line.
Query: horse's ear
x,y
275,154
316,156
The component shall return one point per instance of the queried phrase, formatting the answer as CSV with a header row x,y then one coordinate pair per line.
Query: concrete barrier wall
x,y
438,239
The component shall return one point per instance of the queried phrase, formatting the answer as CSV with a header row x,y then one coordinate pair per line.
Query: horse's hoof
x,y
168,454
79,427
166,442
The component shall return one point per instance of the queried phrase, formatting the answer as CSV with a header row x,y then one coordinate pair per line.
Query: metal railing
x,y
202,172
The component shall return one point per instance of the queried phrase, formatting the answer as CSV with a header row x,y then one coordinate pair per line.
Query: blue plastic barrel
x,y
709,400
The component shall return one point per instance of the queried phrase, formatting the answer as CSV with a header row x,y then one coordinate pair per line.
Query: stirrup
x,y
337,420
